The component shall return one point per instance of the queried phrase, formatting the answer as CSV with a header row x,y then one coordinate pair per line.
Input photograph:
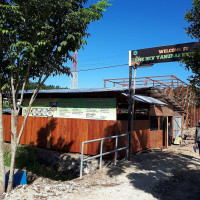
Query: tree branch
x,y
13,91
23,88
33,97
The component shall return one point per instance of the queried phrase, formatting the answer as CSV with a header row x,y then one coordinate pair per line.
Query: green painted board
x,y
78,108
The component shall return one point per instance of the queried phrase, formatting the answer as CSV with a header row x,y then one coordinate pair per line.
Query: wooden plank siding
x,y
141,135
7,128
194,116
68,134
157,139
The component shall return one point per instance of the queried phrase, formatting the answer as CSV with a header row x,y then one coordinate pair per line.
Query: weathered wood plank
x,y
68,134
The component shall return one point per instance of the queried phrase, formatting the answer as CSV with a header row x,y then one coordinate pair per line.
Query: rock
x,y
66,162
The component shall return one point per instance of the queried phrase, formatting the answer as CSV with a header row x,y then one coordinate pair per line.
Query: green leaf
x,y
71,36
64,43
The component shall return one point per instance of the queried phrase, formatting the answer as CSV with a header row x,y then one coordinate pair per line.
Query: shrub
x,y
7,158
26,159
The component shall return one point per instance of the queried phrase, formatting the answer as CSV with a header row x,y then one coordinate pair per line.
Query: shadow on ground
x,y
165,175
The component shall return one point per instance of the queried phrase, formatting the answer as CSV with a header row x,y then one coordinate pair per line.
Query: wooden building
x,y
63,119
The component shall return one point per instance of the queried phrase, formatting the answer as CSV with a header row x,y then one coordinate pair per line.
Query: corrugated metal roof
x,y
87,90
84,90
140,90
140,98
147,99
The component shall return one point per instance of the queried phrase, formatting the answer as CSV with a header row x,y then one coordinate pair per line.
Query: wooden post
x,y
145,82
182,123
182,103
134,85
187,107
124,83
167,133
177,93
194,124
130,114
172,128
171,91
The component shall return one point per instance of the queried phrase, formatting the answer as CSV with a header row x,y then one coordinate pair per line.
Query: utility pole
x,y
131,98
131,105
131,102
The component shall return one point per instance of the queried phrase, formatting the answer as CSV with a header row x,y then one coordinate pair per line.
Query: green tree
x,y
32,85
36,39
192,59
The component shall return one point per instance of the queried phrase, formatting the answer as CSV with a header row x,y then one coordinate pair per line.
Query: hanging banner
x,y
77,108
170,53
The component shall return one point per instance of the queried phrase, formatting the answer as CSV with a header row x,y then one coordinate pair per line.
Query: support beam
x,y
130,114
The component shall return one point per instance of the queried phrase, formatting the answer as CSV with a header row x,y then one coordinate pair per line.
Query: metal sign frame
x,y
169,53
146,58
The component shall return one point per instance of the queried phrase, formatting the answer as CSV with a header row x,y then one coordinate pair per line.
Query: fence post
x,y
81,167
101,151
124,83
100,155
127,151
116,143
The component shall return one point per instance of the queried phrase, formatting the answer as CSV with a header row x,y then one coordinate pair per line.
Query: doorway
x,y
177,127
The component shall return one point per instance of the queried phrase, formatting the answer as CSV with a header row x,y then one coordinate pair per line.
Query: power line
x,y
104,57
84,70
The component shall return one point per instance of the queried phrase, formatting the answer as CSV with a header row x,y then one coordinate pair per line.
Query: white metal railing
x,y
101,150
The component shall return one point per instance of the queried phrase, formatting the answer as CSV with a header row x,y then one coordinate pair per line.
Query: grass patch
x,y
26,159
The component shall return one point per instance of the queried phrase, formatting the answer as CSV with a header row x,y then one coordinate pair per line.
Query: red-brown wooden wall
x,y
157,139
194,116
68,134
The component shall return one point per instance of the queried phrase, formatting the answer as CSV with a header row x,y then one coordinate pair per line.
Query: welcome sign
x,y
170,53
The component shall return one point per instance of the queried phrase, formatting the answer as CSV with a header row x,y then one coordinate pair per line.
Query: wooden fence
x,y
194,116
68,134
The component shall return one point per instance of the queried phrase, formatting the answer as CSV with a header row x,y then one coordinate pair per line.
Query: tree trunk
x,y
2,167
12,168
14,124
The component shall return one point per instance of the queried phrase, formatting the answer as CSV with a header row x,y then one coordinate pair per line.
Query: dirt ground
x,y
172,173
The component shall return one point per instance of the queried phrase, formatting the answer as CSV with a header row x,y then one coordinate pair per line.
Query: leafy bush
x,y
6,104
26,158
7,158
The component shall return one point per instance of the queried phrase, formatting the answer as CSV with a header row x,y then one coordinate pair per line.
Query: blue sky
x,y
129,25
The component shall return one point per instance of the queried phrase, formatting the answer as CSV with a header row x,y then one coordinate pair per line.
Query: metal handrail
x,y
101,150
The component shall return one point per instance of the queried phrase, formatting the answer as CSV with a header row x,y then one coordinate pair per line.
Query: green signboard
x,y
79,108
161,54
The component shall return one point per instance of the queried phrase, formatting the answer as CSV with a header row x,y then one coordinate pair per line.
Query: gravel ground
x,y
172,173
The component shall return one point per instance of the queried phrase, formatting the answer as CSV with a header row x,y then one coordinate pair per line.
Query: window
x,y
122,114
161,123
153,123
156,123
141,114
